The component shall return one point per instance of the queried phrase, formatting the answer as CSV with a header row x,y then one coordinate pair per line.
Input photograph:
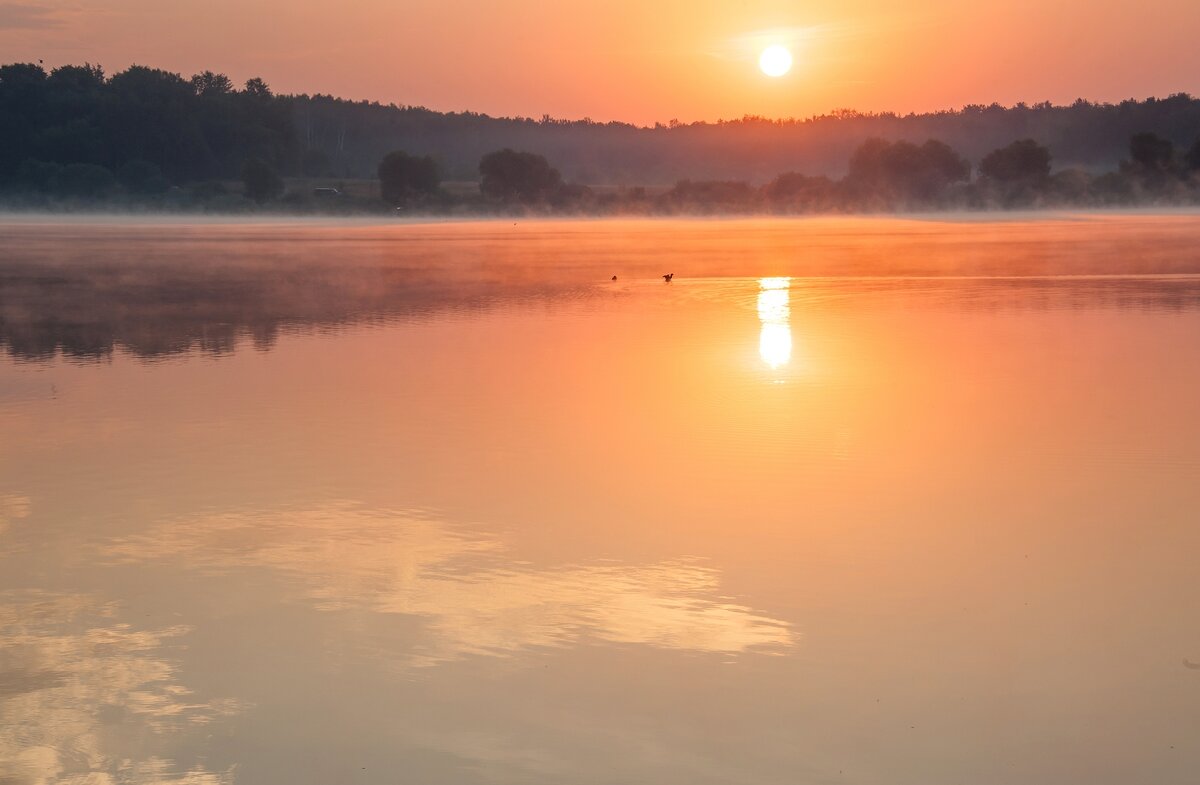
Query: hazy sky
x,y
638,60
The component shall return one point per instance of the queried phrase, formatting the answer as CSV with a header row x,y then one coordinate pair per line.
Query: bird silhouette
x,y
668,277
614,277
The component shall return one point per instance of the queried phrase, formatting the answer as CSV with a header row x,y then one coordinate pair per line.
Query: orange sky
x,y
638,60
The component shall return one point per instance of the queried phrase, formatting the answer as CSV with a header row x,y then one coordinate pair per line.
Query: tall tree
x,y
1151,152
210,84
517,176
403,176
258,88
1023,161
1191,159
902,172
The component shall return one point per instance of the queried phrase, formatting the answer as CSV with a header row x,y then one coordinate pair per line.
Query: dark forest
x,y
152,138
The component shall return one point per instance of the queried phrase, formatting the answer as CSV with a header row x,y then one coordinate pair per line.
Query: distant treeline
x,y
150,138
882,176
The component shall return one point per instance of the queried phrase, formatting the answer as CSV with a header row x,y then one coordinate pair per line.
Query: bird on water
x,y
668,277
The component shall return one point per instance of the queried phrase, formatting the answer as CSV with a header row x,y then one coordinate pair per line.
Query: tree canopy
x,y
403,176
1023,161
517,176
79,134
191,129
905,172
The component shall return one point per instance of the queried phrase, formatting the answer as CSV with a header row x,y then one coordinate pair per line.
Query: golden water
x,y
318,503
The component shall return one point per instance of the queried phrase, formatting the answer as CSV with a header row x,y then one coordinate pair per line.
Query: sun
x,y
775,60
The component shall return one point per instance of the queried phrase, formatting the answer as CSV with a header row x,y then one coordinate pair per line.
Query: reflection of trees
x,y
154,291
86,309
87,314
1166,293
69,671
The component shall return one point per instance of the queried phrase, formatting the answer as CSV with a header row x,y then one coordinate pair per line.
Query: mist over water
x,y
848,500
159,286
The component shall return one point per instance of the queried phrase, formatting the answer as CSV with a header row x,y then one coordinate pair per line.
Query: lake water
x,y
908,501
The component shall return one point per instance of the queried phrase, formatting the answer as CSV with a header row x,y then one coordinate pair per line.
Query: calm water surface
x,y
845,502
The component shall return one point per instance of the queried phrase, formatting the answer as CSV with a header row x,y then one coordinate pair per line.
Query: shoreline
x,y
994,216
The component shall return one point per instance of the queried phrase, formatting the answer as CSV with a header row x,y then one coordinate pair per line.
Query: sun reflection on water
x,y
775,340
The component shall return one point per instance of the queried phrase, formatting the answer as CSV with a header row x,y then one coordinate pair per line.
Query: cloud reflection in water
x,y
67,663
12,507
474,599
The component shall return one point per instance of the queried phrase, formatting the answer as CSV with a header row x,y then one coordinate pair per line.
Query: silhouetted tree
x,y
795,191
1015,175
151,84
257,88
901,172
866,163
1024,161
1191,159
511,175
22,114
210,84
260,180
202,130
1070,186
155,115
22,80
191,129
1151,153
77,79
944,162
1153,168
1093,136
403,176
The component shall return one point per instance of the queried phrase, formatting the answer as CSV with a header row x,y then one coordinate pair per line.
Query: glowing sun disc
x,y
775,60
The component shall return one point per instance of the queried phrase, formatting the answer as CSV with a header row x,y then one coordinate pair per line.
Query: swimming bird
x,y
668,276
614,277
